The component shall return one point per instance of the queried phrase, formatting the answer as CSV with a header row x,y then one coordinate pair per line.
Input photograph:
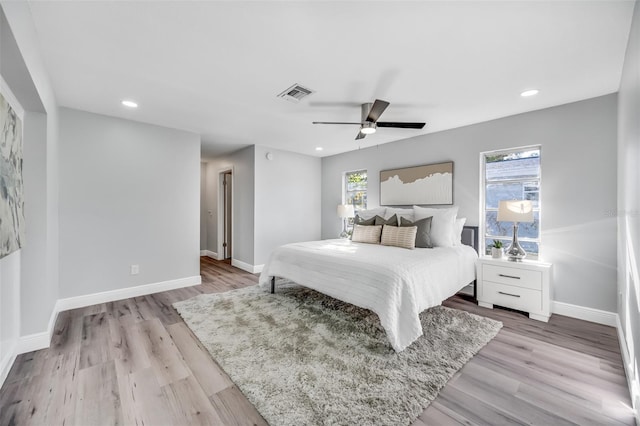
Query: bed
x,y
395,283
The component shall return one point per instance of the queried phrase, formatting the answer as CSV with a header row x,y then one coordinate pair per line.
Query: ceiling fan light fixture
x,y
368,128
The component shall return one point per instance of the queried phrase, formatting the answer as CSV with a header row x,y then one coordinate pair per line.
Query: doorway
x,y
226,201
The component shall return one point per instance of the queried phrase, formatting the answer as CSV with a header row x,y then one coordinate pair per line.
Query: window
x,y
355,191
511,175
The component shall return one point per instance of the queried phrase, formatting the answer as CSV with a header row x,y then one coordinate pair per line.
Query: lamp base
x,y
344,233
515,253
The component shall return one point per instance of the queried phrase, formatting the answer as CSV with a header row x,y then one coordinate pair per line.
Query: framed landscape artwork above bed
x,y
422,185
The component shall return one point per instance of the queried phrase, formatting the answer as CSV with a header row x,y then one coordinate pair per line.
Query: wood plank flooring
x,y
135,362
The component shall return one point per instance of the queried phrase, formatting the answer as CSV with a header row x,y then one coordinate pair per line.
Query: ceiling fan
x,y
371,112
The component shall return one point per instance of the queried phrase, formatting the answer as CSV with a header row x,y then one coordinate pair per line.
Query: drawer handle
x,y
509,276
509,294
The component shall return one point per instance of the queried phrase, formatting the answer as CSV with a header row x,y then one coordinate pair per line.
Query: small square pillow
x,y
393,220
366,234
366,222
423,234
399,237
442,224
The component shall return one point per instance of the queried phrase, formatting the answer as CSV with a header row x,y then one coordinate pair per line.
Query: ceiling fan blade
x,y
334,122
400,125
377,109
360,136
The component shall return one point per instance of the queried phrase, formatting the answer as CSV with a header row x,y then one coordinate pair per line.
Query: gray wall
x,y
287,200
129,194
629,200
578,186
243,205
35,294
23,70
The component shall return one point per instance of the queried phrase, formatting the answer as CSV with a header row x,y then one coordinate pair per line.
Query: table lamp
x,y
515,211
345,211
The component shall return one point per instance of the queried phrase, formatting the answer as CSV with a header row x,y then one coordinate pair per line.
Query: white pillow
x,y
406,213
366,234
442,224
368,214
457,232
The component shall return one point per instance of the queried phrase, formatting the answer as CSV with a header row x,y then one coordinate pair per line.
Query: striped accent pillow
x,y
404,237
366,234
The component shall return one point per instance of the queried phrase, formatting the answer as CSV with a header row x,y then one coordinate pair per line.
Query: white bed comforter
x,y
395,283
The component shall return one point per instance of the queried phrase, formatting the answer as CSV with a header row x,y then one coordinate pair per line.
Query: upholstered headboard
x,y
470,236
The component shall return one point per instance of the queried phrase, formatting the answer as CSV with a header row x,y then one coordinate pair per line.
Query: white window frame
x,y
344,192
483,224
344,183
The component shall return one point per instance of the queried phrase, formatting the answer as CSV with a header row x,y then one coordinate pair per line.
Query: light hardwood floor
x,y
135,362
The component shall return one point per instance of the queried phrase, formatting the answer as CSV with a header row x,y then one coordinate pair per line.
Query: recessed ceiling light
x,y
529,92
129,104
318,148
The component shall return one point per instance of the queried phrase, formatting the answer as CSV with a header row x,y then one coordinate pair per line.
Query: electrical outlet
x,y
135,269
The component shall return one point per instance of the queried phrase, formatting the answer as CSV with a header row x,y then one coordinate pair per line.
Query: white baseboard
x,y
254,269
209,253
33,342
632,382
125,293
584,313
6,363
42,340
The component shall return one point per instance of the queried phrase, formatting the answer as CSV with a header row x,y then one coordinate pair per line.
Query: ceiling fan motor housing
x,y
365,109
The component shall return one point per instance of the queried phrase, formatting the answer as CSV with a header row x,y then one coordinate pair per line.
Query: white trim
x,y
11,99
632,382
33,342
42,340
584,313
220,208
6,363
125,293
209,253
254,269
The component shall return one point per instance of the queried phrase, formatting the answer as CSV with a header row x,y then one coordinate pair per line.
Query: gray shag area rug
x,y
303,358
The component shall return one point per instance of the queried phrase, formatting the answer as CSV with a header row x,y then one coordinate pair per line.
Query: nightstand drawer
x,y
523,299
512,276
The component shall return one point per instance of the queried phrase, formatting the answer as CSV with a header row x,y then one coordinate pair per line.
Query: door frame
x,y
220,248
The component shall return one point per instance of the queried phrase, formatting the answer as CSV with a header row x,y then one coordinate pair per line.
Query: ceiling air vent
x,y
295,93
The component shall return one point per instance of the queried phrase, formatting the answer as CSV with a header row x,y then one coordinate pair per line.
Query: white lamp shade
x,y
515,211
346,210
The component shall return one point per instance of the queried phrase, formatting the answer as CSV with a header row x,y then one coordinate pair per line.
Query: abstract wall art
x,y
422,185
11,188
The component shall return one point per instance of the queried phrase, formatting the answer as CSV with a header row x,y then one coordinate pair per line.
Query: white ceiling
x,y
215,68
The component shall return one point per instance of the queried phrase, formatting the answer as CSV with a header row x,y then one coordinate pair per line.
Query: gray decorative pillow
x,y
423,235
366,222
392,221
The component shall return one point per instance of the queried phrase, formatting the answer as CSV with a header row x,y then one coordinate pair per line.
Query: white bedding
x,y
395,283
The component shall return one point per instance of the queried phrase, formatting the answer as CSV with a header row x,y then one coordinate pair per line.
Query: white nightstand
x,y
524,286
